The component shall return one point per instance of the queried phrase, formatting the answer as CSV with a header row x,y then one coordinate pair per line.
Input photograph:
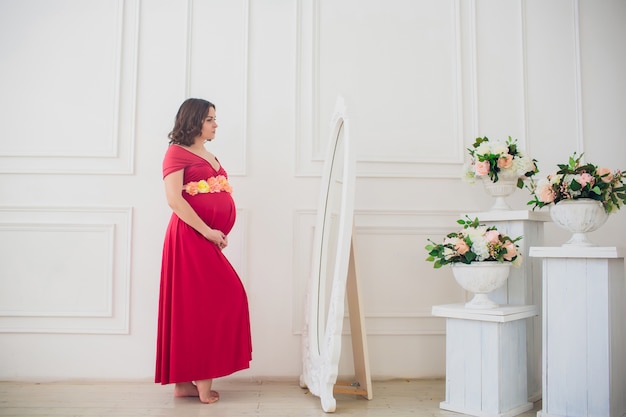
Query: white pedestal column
x,y
584,331
486,359
523,287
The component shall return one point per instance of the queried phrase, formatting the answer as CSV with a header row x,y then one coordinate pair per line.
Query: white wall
x,y
89,91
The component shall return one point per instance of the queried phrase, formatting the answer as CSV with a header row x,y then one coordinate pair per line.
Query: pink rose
x,y
493,236
482,168
511,250
585,178
505,161
546,194
605,174
461,247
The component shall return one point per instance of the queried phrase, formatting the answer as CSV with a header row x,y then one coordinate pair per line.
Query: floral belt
x,y
210,185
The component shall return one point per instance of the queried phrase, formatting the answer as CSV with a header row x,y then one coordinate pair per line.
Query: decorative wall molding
x,y
78,277
216,73
383,319
311,137
88,148
31,241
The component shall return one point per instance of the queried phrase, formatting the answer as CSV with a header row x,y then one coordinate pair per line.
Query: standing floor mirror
x,y
334,278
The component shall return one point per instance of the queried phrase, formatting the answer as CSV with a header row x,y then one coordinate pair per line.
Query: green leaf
x,y
469,256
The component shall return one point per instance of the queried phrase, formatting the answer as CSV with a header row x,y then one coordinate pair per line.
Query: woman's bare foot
x,y
185,389
204,391
189,389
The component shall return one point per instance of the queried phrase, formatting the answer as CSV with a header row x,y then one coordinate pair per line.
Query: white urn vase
x,y
504,187
481,278
579,216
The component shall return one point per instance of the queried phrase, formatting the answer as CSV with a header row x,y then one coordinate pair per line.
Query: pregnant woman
x,y
204,324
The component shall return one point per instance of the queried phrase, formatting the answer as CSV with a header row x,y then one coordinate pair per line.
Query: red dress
x,y
204,323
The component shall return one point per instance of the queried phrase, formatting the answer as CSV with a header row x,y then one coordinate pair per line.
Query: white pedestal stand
x,y
523,287
584,331
486,359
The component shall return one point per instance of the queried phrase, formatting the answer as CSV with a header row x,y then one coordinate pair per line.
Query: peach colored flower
x,y
213,185
511,250
605,174
223,184
461,247
493,236
192,188
545,193
482,168
505,161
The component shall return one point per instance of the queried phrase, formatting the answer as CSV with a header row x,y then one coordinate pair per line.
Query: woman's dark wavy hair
x,y
189,120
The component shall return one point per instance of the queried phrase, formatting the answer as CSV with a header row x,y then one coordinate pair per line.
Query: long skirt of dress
x,y
204,323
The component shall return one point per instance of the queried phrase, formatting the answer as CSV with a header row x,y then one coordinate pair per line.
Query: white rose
x,y
481,248
555,178
477,233
523,164
499,148
483,149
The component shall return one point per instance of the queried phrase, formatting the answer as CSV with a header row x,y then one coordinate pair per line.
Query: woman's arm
x,y
180,206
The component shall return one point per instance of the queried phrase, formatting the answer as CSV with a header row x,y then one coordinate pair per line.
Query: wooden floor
x,y
238,398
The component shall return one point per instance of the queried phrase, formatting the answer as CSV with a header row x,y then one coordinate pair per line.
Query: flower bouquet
x,y
575,181
474,243
480,258
494,159
501,166
581,197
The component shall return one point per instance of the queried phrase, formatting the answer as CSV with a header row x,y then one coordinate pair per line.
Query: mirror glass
x,y
330,232
329,270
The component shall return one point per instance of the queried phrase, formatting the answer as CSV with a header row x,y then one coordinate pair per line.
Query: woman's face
x,y
209,125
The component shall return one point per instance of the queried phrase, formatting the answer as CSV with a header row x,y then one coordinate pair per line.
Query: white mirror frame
x,y
321,352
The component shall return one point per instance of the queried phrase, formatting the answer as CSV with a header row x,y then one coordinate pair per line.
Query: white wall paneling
x,y
420,119
500,70
72,73
65,270
217,70
553,64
